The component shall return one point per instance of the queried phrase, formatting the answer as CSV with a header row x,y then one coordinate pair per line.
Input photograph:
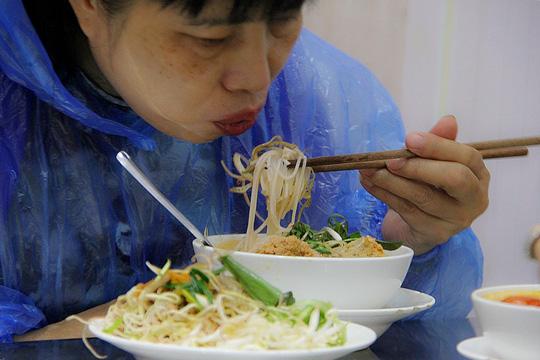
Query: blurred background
x,y
476,59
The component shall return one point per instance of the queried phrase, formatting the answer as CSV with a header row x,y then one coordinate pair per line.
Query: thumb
x,y
446,127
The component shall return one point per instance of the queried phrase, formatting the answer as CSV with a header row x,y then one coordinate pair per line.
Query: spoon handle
x,y
134,170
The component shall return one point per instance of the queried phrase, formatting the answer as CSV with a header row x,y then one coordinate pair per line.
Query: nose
x,y
250,68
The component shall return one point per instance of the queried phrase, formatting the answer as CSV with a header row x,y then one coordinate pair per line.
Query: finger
x,y
431,146
456,179
411,214
446,127
429,199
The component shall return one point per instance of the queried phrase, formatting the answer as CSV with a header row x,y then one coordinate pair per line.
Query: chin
x,y
194,137
200,140
182,133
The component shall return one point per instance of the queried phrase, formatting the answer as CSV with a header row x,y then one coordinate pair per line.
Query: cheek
x,y
178,60
279,53
163,76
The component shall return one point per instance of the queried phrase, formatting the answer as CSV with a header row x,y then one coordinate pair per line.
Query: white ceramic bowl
x,y
348,283
512,331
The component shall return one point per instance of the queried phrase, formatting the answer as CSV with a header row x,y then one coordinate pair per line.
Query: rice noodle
x,y
233,320
287,190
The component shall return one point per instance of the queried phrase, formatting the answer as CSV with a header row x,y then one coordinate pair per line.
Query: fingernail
x,y
450,117
396,164
416,140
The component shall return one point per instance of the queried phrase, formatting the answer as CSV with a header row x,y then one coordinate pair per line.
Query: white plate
x,y
358,338
476,348
407,302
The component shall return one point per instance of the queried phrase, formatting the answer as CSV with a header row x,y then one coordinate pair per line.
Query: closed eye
x,y
210,42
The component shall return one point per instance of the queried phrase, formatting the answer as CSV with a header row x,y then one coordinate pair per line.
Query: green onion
x,y
170,286
274,314
219,271
115,325
342,337
206,292
305,308
190,297
164,269
255,286
322,250
194,273
305,313
197,285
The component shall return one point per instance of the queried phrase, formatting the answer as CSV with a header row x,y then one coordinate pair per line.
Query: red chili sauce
x,y
522,300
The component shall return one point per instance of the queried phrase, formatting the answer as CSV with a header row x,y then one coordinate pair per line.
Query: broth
x,y
515,297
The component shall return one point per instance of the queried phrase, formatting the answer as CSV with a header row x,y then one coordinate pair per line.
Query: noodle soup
x,y
229,244
522,297
348,283
277,171
365,246
510,329
235,310
333,264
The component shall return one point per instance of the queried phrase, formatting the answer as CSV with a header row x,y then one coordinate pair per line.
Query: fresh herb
x,y
390,245
339,224
318,240
302,231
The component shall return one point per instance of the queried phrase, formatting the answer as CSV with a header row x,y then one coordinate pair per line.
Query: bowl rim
x,y
408,253
427,303
477,297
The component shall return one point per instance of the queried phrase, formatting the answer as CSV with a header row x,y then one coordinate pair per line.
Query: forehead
x,y
233,11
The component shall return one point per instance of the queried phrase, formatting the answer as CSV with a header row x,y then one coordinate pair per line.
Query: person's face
x,y
192,78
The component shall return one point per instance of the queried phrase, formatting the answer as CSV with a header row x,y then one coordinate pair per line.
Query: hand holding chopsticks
x,y
374,160
435,188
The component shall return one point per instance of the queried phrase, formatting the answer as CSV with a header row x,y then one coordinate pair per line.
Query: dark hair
x,y
57,25
240,11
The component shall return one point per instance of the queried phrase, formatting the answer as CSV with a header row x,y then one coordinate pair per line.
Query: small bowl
x,y
348,283
511,331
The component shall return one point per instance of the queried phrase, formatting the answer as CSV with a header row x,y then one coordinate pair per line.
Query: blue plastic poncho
x,y
76,230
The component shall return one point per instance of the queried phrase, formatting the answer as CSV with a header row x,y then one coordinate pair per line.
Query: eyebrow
x,y
209,22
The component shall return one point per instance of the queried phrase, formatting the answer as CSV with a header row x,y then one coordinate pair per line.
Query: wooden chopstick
x,y
404,153
493,144
378,164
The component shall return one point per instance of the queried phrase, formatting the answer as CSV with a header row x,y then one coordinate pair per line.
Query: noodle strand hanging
x,y
287,190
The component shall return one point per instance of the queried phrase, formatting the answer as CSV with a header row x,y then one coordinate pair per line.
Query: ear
x,y
88,14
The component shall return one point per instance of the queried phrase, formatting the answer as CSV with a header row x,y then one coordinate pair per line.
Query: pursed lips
x,y
238,123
